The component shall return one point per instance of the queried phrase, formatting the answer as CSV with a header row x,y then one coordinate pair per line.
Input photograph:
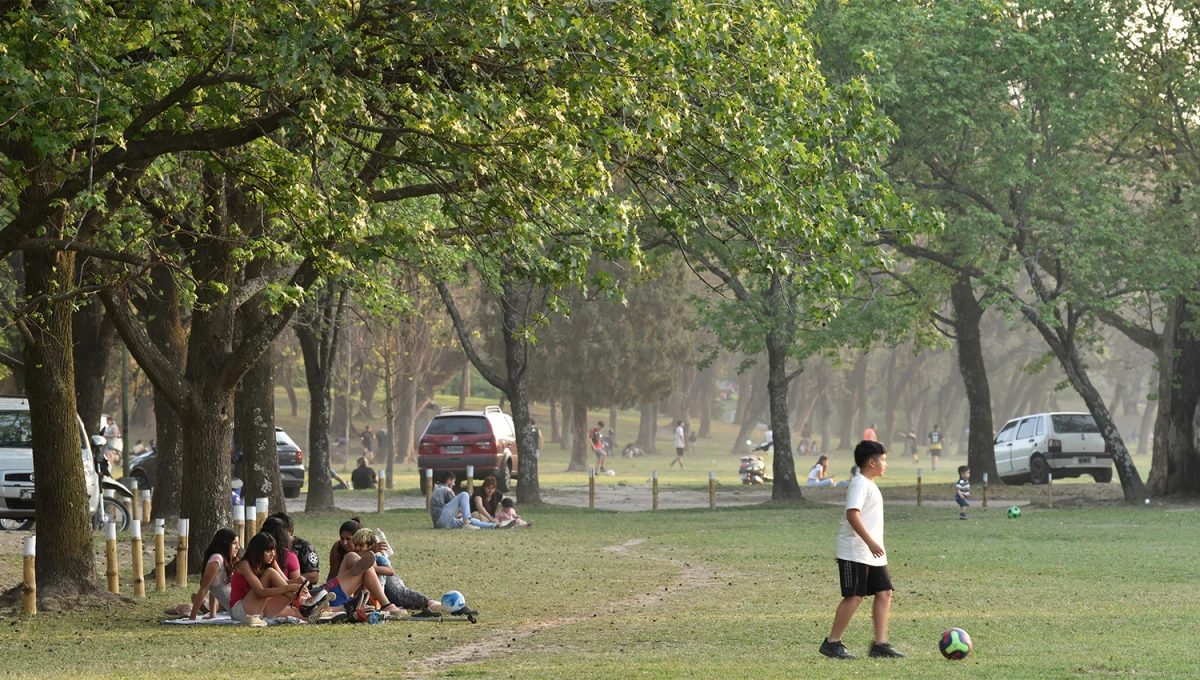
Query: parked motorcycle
x,y
753,468
109,509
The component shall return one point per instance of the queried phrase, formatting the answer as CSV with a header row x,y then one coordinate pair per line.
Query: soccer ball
x,y
453,602
1013,512
612,473
955,644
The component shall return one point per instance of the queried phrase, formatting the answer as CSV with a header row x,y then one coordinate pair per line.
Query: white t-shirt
x,y
679,444
862,495
814,475
220,585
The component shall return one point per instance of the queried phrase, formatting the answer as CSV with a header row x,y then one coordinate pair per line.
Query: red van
x,y
484,439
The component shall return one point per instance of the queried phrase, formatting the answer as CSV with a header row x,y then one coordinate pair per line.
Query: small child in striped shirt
x,y
962,490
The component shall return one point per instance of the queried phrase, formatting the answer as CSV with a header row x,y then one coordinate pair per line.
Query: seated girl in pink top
x,y
508,513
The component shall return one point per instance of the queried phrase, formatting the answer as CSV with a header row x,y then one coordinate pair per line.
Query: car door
x,y
1003,448
1022,445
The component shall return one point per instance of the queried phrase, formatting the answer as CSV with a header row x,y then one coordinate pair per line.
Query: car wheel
x,y
291,492
1102,476
15,524
140,476
504,479
424,482
1039,470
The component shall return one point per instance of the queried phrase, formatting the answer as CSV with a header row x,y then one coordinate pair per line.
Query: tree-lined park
x,y
808,222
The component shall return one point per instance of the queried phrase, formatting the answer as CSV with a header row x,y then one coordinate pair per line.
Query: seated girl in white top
x,y
219,558
819,474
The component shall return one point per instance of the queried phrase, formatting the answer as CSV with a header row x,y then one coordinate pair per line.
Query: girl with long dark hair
x,y
219,559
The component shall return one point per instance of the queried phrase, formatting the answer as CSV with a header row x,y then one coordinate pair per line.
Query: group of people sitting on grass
x,y
486,509
275,576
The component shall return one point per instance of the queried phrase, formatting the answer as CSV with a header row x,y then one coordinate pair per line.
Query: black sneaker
x,y
426,614
316,606
836,650
883,650
465,611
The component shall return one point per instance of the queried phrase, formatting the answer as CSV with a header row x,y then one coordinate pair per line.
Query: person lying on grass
x,y
257,589
403,598
219,558
356,574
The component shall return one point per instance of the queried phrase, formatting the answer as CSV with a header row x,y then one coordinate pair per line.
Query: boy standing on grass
x,y
862,562
962,490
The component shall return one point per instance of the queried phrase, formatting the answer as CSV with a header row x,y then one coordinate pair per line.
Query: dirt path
x,y
690,576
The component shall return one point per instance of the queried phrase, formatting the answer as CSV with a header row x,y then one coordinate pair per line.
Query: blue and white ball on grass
x,y
955,644
453,602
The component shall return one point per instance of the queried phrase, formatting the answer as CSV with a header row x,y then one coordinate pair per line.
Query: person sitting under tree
x,y
363,476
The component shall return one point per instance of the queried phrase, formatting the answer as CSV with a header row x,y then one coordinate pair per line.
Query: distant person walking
x,y
114,446
368,442
596,439
935,446
680,443
869,434
537,437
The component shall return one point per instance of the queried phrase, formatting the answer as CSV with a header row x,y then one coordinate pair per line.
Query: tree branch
x,y
1142,336
464,339
161,371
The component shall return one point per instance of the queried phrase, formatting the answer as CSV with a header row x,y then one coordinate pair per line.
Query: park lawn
x,y
738,592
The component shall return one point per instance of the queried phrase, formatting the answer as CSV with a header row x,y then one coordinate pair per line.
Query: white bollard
x,y
139,578
29,600
110,536
181,554
160,552
134,511
251,522
239,523
260,508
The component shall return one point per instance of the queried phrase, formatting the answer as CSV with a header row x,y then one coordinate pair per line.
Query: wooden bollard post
x,y
110,534
1050,489
592,488
181,554
985,484
470,480
139,578
428,489
29,601
145,505
654,482
239,523
160,555
262,510
251,521
918,487
135,510
379,483
712,490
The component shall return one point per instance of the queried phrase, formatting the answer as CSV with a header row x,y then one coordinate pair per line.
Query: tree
x,y
319,328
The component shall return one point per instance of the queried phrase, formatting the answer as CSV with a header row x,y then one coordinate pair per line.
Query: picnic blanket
x,y
223,619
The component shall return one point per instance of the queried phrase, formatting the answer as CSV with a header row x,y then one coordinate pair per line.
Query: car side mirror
x,y
749,443
98,441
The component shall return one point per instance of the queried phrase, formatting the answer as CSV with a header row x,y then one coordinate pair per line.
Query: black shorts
x,y
861,580
679,452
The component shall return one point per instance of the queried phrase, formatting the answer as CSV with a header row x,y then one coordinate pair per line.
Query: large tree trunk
x,y
784,486
406,420
705,402
164,325
94,339
320,489
981,455
757,399
255,420
464,387
1175,466
65,563
579,425
647,428
826,416
389,404
320,338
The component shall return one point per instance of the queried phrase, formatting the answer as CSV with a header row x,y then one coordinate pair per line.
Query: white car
x,y
1031,448
16,469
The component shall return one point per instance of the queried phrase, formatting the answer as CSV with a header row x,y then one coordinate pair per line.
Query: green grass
x,y
746,592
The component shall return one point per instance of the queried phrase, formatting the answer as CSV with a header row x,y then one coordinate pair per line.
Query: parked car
x,y
17,508
1031,448
484,439
291,465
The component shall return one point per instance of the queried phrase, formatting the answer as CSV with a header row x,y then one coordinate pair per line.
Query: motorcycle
x,y
109,509
753,468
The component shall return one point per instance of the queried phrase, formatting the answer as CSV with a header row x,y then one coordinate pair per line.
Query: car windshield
x,y
458,425
282,439
1075,424
15,430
